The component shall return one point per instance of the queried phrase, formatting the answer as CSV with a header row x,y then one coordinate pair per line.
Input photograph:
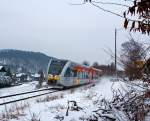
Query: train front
x,y
54,71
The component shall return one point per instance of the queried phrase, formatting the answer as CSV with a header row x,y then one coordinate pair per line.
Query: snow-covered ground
x,y
18,89
54,107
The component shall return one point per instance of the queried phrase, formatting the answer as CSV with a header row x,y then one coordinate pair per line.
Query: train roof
x,y
80,66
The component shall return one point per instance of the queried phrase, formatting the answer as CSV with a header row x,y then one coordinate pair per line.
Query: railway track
x,y
17,94
48,91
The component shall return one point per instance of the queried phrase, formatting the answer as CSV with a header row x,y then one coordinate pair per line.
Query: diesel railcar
x,y
67,73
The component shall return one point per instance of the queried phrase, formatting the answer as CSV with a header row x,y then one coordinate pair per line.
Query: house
x,y
21,77
4,80
35,77
2,71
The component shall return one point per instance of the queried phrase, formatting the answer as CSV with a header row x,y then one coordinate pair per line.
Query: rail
x,y
23,93
28,97
25,98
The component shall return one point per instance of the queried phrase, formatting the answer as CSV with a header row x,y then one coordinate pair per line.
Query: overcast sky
x,y
60,30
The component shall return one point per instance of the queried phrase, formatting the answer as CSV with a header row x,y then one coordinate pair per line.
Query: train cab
x,y
54,70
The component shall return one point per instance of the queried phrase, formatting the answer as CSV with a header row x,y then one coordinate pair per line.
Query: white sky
x,y
60,30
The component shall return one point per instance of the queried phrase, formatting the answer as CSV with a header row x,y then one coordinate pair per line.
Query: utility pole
x,y
116,51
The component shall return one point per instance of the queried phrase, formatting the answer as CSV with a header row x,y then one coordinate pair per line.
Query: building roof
x,y
36,75
2,69
20,74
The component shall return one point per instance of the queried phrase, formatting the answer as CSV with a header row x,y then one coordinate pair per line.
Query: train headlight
x,y
50,77
56,77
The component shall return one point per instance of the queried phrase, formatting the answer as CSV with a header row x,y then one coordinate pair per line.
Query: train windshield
x,y
56,67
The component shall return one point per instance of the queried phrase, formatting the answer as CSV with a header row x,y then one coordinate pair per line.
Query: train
x,y
67,73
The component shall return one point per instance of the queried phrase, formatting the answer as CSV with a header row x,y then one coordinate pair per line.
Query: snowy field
x,y
18,89
56,106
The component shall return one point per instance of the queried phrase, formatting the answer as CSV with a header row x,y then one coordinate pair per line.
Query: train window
x,y
74,73
56,67
71,73
86,75
81,75
67,74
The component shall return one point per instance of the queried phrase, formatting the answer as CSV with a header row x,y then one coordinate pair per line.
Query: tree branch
x,y
110,3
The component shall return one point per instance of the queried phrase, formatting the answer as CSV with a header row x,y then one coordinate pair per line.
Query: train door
x,y
67,77
90,76
70,76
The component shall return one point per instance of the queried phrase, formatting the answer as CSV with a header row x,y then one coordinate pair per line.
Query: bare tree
x,y
41,78
132,52
95,64
86,63
141,10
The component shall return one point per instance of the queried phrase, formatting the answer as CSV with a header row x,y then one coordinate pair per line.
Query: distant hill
x,y
24,61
